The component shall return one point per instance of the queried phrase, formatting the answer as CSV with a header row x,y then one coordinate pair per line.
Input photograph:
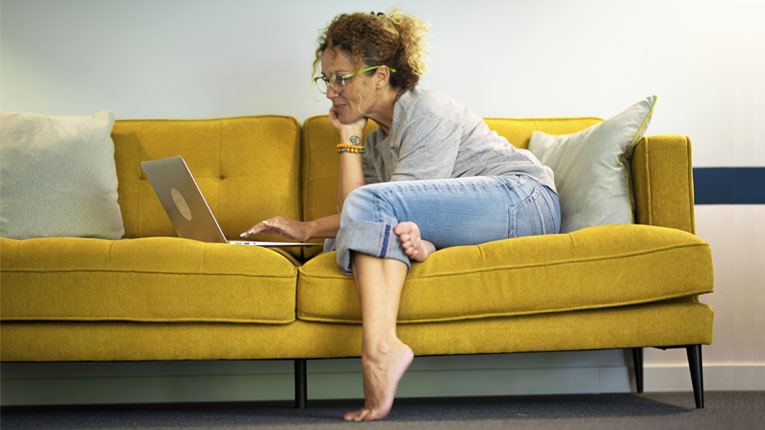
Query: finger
x,y
257,228
253,230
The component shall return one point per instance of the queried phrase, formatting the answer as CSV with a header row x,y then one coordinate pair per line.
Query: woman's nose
x,y
331,93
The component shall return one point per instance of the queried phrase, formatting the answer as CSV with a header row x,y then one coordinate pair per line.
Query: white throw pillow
x,y
58,176
592,167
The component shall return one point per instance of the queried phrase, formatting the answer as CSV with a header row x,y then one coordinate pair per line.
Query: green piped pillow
x,y
591,167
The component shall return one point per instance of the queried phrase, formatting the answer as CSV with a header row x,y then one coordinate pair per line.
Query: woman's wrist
x,y
310,227
351,142
322,227
352,137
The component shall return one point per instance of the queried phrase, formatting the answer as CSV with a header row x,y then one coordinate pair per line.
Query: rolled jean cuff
x,y
329,244
372,238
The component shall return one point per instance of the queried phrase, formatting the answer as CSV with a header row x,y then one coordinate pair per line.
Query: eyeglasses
x,y
337,83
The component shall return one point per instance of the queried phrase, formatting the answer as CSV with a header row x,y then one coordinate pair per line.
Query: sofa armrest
x,y
662,180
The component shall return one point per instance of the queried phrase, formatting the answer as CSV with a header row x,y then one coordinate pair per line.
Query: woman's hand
x,y
347,131
284,227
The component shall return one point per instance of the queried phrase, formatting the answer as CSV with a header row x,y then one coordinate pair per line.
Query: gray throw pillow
x,y
58,176
591,167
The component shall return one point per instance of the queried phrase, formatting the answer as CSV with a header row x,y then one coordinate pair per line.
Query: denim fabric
x,y
449,212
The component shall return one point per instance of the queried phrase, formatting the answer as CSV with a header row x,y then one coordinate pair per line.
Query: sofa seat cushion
x,y
596,267
158,279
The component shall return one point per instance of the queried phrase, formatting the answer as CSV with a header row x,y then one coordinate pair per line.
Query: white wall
x,y
194,58
736,358
198,59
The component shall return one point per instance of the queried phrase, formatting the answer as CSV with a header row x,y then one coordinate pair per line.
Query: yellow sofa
x,y
153,296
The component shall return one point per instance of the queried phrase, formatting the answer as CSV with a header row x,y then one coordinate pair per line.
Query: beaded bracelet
x,y
356,149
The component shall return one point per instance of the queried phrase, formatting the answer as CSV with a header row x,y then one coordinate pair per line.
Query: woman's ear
x,y
382,76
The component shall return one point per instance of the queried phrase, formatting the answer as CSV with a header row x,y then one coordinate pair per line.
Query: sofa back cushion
x,y
247,169
518,130
321,163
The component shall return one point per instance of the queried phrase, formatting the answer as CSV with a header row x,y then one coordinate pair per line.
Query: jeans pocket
x,y
532,216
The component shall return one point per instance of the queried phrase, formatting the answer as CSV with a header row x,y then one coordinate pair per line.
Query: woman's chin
x,y
349,119
347,115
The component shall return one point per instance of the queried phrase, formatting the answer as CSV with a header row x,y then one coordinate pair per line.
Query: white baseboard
x,y
717,377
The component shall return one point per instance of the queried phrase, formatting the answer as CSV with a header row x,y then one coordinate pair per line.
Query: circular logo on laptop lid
x,y
180,204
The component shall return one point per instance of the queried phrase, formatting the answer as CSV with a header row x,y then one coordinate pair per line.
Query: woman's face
x,y
355,98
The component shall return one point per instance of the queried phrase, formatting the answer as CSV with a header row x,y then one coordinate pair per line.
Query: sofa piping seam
x,y
691,203
151,320
146,272
649,196
527,266
657,300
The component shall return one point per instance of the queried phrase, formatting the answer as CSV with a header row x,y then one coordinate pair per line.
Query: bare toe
x,y
381,377
411,240
359,415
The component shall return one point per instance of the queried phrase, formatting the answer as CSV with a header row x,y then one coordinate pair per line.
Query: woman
x,y
431,176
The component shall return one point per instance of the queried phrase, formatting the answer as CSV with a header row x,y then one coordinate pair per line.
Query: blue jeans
x,y
449,212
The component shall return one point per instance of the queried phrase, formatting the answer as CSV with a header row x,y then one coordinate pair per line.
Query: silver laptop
x,y
187,207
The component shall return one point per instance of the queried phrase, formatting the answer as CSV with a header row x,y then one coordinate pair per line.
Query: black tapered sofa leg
x,y
697,374
637,362
301,383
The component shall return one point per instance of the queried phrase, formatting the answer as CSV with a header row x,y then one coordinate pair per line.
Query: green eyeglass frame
x,y
325,83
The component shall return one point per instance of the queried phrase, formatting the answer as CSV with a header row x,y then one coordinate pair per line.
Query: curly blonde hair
x,y
396,40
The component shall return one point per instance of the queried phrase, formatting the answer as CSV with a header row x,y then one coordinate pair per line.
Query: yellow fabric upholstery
x,y
518,130
156,297
597,267
147,279
663,182
248,169
625,327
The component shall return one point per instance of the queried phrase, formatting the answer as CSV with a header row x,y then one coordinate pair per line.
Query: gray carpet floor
x,y
724,410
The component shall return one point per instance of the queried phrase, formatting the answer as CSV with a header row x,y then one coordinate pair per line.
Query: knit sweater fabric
x,y
436,137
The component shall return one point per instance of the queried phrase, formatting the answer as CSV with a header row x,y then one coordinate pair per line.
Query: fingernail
x,y
243,234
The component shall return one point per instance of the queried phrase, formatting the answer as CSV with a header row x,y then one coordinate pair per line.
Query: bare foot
x,y
381,376
414,246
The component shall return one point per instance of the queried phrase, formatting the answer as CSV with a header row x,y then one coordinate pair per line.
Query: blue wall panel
x,y
729,185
